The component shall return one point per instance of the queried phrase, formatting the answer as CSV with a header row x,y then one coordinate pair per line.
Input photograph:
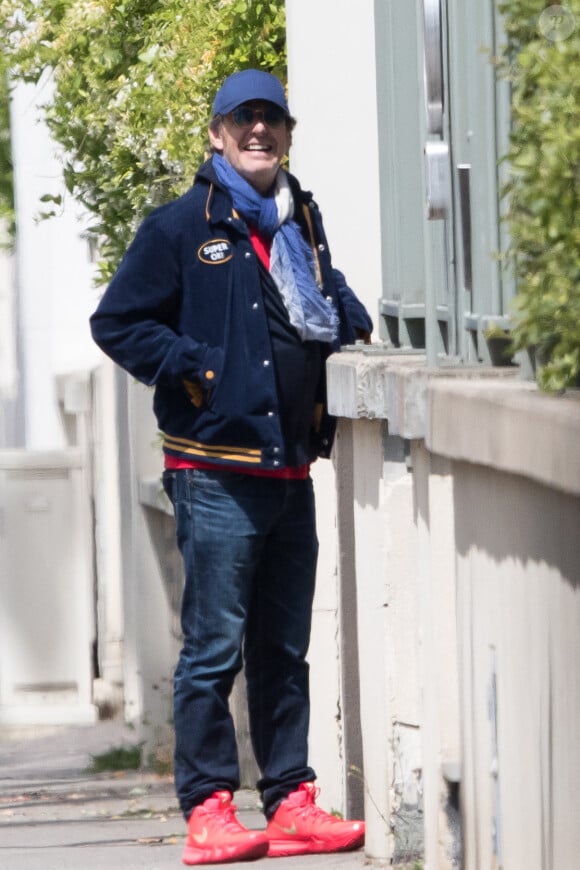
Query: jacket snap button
x,y
255,305
276,450
266,363
321,247
247,255
209,375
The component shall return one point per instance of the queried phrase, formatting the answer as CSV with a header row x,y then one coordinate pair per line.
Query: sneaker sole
x,y
287,848
224,854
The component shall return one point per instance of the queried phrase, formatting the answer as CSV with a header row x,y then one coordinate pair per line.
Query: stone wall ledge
x,y
486,416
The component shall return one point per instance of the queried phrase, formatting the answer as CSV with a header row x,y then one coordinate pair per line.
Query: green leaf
x,y
543,192
149,55
128,145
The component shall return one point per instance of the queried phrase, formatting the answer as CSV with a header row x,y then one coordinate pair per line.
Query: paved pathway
x,y
55,816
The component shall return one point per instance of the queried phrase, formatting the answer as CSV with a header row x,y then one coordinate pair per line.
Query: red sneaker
x,y
299,826
215,836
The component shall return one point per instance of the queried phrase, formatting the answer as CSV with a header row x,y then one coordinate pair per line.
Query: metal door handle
x,y
437,177
433,71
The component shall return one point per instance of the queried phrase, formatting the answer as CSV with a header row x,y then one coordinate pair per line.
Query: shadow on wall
x,y
518,569
512,517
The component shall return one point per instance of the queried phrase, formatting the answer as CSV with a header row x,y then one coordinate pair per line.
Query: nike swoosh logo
x,y
290,831
200,838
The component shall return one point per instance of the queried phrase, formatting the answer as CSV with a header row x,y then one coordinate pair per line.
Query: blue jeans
x,y
249,549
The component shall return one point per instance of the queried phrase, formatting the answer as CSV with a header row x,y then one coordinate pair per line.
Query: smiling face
x,y
255,151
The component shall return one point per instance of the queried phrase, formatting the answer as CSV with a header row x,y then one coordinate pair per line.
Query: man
x,y
228,303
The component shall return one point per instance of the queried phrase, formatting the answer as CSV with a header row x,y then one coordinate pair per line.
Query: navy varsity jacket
x,y
185,313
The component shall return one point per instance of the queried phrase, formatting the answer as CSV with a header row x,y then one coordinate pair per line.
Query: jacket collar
x,y
218,204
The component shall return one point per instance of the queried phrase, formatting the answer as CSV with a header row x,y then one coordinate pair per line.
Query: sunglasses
x,y
247,116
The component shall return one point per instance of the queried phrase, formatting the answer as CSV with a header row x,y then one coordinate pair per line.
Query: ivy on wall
x,y
129,87
543,62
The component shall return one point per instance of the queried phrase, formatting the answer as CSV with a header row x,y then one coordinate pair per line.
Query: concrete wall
x,y
518,578
436,627
326,747
387,603
152,574
517,507
495,616
109,580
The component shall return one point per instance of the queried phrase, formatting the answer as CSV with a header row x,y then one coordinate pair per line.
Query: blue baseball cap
x,y
246,85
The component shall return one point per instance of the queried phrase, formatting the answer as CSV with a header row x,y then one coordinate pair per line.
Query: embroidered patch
x,y
215,252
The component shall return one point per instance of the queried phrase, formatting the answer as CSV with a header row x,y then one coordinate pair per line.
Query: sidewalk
x,y
55,816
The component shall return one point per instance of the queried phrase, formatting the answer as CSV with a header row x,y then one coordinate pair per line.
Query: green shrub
x,y
543,61
117,758
129,85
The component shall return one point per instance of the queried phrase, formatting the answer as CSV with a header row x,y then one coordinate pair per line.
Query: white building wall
x,y
331,79
332,92
53,274
46,618
46,296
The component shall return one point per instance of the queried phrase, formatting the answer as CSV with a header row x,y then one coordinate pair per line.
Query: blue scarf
x,y
291,259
